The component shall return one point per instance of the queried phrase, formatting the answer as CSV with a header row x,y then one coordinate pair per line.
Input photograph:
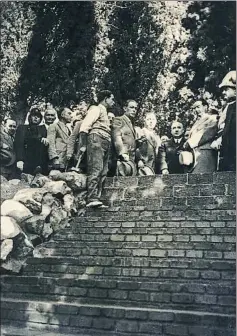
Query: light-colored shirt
x,y
97,121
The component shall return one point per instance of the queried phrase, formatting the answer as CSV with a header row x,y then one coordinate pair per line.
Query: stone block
x,y
150,273
140,253
112,271
176,330
200,179
127,326
226,300
103,323
6,248
176,253
150,328
136,315
161,316
81,321
15,210
210,275
139,296
194,254
9,228
118,294
182,298
205,299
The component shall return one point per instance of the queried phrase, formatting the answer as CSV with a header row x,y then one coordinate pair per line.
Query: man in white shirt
x,y
95,136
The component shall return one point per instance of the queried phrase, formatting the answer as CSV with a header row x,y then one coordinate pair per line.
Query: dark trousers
x,y
97,165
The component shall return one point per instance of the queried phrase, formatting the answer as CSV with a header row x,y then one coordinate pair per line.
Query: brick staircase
x,y
159,261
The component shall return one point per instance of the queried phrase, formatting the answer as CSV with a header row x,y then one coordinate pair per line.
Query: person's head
x,y
35,116
50,116
10,126
79,111
150,120
228,86
187,132
200,107
130,108
111,117
65,115
177,129
164,138
106,98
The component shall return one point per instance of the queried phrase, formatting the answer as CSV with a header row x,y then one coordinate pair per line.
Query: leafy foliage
x,y
165,55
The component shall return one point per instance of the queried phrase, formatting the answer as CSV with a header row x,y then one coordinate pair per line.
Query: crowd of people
x,y
96,142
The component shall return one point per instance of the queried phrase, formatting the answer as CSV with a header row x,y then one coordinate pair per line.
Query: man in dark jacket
x,y
226,141
7,151
168,155
124,140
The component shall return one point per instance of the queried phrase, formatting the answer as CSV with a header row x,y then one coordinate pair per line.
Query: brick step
x,y
220,255
165,200
174,250
107,320
178,262
156,228
183,295
171,180
157,215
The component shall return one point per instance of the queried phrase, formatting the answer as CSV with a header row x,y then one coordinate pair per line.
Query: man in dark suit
x,y
124,140
226,140
168,155
7,151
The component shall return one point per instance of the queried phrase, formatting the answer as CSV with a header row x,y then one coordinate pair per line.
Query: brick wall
x,y
164,243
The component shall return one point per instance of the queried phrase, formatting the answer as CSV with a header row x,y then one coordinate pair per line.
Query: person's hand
x,y
140,164
68,157
124,157
20,165
140,140
186,146
83,149
216,145
165,172
45,141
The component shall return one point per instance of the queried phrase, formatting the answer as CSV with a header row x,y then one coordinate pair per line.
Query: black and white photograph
x,y
118,168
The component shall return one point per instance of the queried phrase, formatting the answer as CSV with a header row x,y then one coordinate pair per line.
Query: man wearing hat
x,y
7,152
199,141
124,140
226,140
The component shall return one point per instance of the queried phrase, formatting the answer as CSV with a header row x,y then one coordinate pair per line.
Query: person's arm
x,y
117,137
206,133
72,140
51,137
19,143
162,160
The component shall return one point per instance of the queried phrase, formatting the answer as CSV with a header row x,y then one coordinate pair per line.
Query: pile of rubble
x,y
31,213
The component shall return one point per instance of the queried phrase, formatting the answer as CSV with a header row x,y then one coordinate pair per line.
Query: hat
x,y
146,171
188,159
7,157
125,168
229,80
